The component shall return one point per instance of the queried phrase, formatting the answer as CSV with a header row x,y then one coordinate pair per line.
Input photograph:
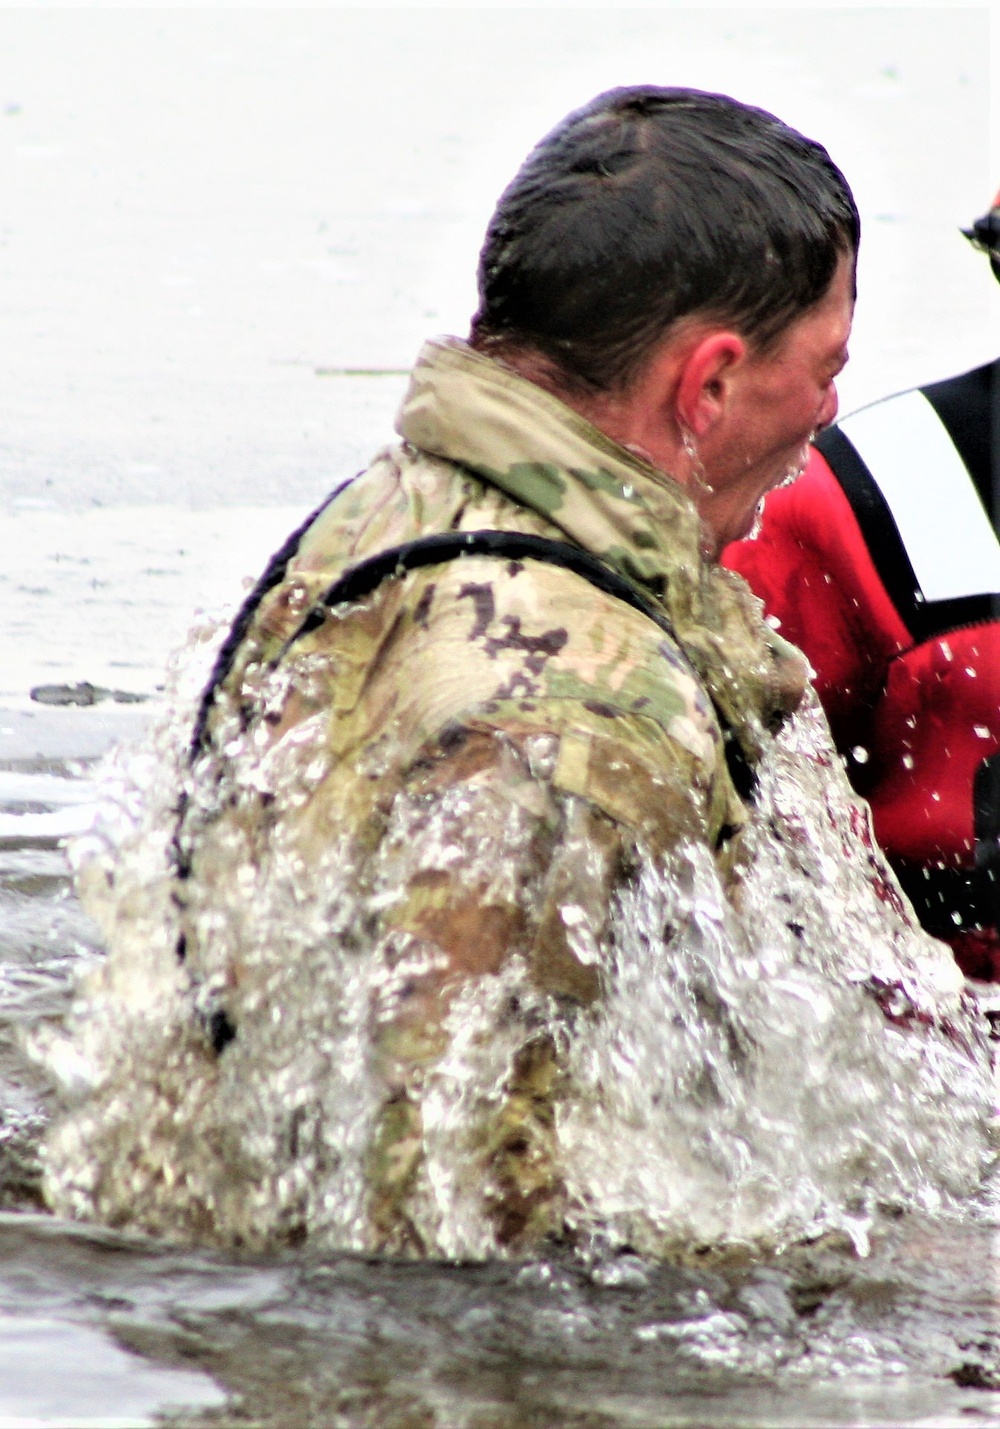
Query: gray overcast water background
x,y
223,236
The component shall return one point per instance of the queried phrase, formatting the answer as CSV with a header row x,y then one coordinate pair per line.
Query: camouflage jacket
x,y
480,644
489,741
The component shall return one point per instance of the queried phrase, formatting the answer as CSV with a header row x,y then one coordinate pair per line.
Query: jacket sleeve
x,y
811,567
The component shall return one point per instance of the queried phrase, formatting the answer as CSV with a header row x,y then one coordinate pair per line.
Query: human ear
x,y
705,385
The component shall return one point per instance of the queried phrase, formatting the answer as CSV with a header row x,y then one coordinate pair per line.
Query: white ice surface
x,y
112,1389
106,593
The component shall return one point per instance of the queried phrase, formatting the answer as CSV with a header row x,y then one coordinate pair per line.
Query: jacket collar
x,y
470,409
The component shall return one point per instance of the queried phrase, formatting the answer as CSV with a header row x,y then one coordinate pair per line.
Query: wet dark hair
x,y
649,205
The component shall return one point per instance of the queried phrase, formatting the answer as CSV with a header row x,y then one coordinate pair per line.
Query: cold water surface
x,y
909,1336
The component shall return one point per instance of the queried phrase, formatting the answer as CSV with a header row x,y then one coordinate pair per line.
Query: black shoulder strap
x,y
360,580
274,573
365,577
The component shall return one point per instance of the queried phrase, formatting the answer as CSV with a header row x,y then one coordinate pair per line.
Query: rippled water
x,y
909,1335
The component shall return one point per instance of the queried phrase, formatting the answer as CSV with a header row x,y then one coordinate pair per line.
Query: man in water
x,y
883,565
497,906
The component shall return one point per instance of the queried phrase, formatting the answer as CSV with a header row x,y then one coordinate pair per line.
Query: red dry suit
x,y
883,563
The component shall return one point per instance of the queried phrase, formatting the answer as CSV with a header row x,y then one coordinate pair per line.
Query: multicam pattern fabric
x,y
499,740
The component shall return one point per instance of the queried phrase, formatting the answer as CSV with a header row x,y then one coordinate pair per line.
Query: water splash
x,y
755,1071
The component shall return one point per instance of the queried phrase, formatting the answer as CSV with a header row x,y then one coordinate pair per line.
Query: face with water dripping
x,y
763,409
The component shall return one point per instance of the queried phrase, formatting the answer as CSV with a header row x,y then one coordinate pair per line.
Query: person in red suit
x,y
882,562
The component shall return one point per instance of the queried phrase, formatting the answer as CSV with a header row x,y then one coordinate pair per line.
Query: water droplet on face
x,y
946,650
859,754
907,761
796,469
981,731
970,672
936,797
757,525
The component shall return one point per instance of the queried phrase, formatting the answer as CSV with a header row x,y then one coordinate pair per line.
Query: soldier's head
x,y
651,205
651,222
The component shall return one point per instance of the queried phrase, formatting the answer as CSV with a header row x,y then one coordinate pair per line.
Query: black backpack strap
x,y
274,573
365,577
360,580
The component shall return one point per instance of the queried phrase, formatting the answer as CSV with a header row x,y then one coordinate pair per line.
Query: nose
x,y
829,408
